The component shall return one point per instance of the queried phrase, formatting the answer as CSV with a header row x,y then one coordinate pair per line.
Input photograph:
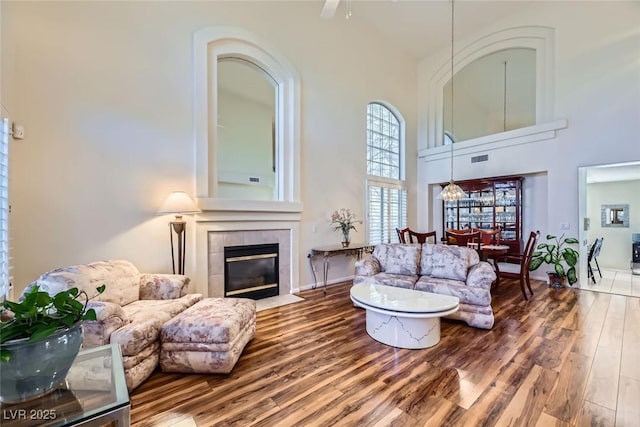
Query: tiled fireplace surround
x,y
213,236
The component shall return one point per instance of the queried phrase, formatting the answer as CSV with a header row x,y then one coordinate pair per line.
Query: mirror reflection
x,y
493,94
246,149
614,215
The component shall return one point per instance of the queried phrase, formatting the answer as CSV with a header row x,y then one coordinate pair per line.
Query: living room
x,y
105,92
92,96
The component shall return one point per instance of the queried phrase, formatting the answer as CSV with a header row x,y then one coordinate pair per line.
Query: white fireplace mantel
x,y
246,227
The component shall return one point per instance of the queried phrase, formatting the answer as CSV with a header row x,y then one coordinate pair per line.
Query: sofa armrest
x,y
109,318
481,275
163,286
368,266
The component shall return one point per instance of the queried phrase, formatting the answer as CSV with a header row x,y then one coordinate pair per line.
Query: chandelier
x,y
452,191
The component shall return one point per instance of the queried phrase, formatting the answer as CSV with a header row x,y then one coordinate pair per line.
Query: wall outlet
x,y
564,226
314,228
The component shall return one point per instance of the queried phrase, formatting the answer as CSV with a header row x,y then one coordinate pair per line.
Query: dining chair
x,y
489,237
524,260
461,237
402,234
594,252
421,237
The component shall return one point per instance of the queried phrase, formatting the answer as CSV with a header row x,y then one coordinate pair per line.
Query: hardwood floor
x,y
566,358
614,281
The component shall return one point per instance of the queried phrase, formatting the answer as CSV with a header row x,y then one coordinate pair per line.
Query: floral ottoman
x,y
208,337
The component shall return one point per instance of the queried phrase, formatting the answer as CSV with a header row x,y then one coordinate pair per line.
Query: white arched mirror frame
x,y
541,39
210,44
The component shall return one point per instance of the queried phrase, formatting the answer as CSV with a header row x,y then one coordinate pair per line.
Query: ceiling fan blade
x,y
329,8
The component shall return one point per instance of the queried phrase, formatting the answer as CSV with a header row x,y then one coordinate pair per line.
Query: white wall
x,y
104,90
597,89
616,246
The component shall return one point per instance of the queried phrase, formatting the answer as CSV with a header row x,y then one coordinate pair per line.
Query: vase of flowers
x,y
344,220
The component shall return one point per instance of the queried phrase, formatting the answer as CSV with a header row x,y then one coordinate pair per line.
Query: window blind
x,y
387,211
5,268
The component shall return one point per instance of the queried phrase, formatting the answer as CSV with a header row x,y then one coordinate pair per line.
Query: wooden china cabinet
x,y
489,203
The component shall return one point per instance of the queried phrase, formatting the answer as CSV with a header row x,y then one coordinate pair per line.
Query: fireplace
x,y
251,271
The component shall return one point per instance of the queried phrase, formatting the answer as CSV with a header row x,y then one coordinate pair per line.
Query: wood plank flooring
x,y
566,357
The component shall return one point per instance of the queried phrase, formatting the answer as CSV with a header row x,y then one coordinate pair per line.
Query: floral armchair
x,y
130,312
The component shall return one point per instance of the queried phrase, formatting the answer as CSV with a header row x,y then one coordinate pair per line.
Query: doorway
x,y
609,205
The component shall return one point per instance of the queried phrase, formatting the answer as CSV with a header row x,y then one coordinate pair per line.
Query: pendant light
x,y
452,191
504,99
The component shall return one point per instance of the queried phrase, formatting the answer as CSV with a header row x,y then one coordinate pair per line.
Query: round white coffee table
x,y
402,317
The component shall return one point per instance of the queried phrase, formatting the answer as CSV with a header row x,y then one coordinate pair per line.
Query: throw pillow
x,y
445,261
398,258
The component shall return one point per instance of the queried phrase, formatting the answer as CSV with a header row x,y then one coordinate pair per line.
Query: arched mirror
x,y
493,94
246,157
247,124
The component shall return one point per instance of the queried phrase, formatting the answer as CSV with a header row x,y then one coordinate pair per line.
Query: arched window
x,y
386,189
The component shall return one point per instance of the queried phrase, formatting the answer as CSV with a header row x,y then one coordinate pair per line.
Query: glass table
x,y
94,393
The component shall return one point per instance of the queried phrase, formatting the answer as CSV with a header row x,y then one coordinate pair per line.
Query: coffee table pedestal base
x,y
403,332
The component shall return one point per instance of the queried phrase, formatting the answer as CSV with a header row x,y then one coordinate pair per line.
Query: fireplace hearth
x,y
251,271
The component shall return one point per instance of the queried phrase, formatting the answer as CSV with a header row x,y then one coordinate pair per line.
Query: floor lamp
x,y
178,203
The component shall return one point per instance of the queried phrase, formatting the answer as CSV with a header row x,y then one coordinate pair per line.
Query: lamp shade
x,y
178,202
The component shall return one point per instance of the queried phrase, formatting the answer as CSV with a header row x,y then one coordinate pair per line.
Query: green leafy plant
x,y
39,315
557,253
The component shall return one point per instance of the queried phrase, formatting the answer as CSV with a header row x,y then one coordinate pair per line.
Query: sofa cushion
x,y
398,258
165,309
147,318
120,277
447,261
135,336
163,286
466,294
397,280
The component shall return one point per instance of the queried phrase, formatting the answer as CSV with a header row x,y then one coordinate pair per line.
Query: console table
x,y
354,249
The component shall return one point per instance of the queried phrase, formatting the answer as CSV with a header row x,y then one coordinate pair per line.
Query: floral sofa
x,y
130,312
440,269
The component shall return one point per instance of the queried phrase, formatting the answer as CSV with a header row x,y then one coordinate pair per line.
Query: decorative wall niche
x,y
495,93
436,73
214,46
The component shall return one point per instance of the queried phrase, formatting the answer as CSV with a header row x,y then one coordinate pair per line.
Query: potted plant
x,y
563,258
40,337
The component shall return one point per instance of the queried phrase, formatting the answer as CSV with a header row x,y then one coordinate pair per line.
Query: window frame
x,y
385,181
